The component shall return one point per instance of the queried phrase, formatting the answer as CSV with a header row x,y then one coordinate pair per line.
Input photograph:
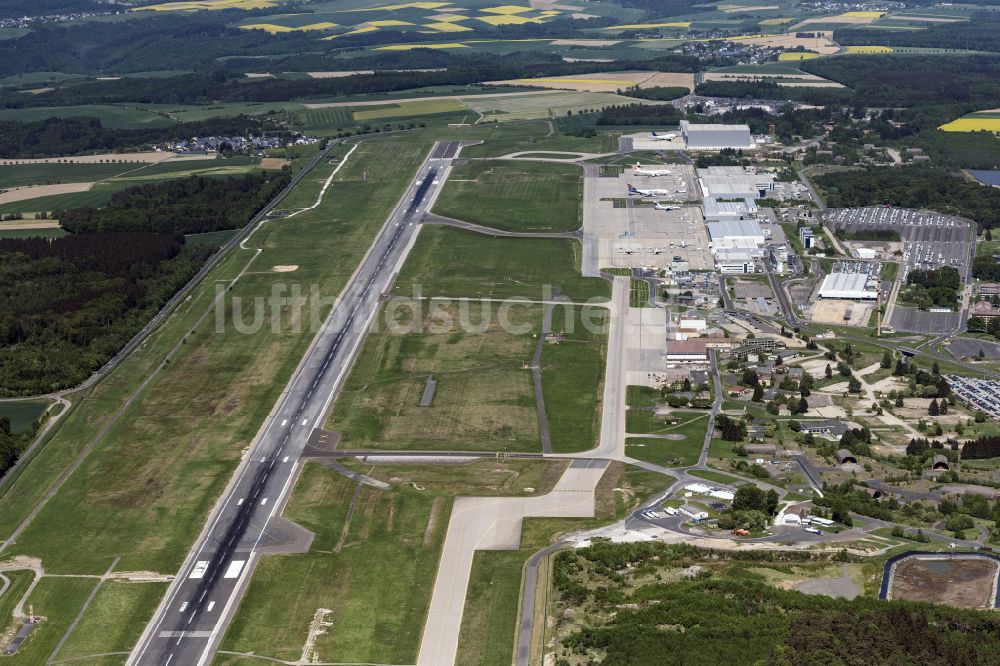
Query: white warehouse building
x,y
734,183
852,286
716,137
736,233
722,211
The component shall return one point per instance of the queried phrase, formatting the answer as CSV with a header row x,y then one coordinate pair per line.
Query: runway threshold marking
x,y
199,569
235,567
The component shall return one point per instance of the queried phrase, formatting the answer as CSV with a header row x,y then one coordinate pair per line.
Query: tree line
x,y
979,33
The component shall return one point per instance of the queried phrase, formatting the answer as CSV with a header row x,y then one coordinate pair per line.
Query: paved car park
x,y
928,240
981,394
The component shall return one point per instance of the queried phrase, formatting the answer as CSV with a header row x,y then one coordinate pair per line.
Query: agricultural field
x,y
979,121
607,82
484,399
514,196
110,116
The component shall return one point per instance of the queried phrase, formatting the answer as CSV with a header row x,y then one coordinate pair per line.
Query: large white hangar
x,y
851,286
736,233
716,137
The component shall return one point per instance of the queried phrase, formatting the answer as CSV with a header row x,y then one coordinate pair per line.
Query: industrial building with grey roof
x,y
716,137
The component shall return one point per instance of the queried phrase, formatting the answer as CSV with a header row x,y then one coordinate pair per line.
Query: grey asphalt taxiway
x,y
197,608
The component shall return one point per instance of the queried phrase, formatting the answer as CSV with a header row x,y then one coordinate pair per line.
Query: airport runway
x,y
193,617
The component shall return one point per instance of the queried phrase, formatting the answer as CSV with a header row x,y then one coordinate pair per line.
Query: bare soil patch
x,y
34,191
273,163
285,269
958,582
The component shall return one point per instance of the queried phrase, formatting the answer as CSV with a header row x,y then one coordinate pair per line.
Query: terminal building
x,y
716,137
734,183
851,286
725,211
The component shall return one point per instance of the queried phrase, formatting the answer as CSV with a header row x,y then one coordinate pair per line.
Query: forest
x,y
69,304
181,206
57,137
983,447
727,613
933,188
914,80
979,33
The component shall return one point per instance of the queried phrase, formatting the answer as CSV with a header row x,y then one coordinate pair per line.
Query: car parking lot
x,y
927,240
981,394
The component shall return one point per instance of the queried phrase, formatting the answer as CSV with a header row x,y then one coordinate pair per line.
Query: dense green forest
x,y
979,33
914,80
732,615
69,304
932,188
186,206
54,137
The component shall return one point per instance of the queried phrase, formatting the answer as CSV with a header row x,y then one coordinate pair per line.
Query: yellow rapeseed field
x,y
198,5
972,124
797,55
640,26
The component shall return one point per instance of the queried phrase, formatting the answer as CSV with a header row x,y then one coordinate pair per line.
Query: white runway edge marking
x,y
199,569
235,567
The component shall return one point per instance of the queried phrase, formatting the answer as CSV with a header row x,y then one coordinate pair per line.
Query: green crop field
x,y
484,398
22,413
96,196
453,262
515,196
329,118
146,489
409,109
31,233
110,116
188,113
20,175
376,572
19,583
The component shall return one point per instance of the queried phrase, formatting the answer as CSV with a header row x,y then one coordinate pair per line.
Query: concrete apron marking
x,y
492,523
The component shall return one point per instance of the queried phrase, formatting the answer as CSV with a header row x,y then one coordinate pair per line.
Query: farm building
x,y
940,463
710,136
845,457
851,286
